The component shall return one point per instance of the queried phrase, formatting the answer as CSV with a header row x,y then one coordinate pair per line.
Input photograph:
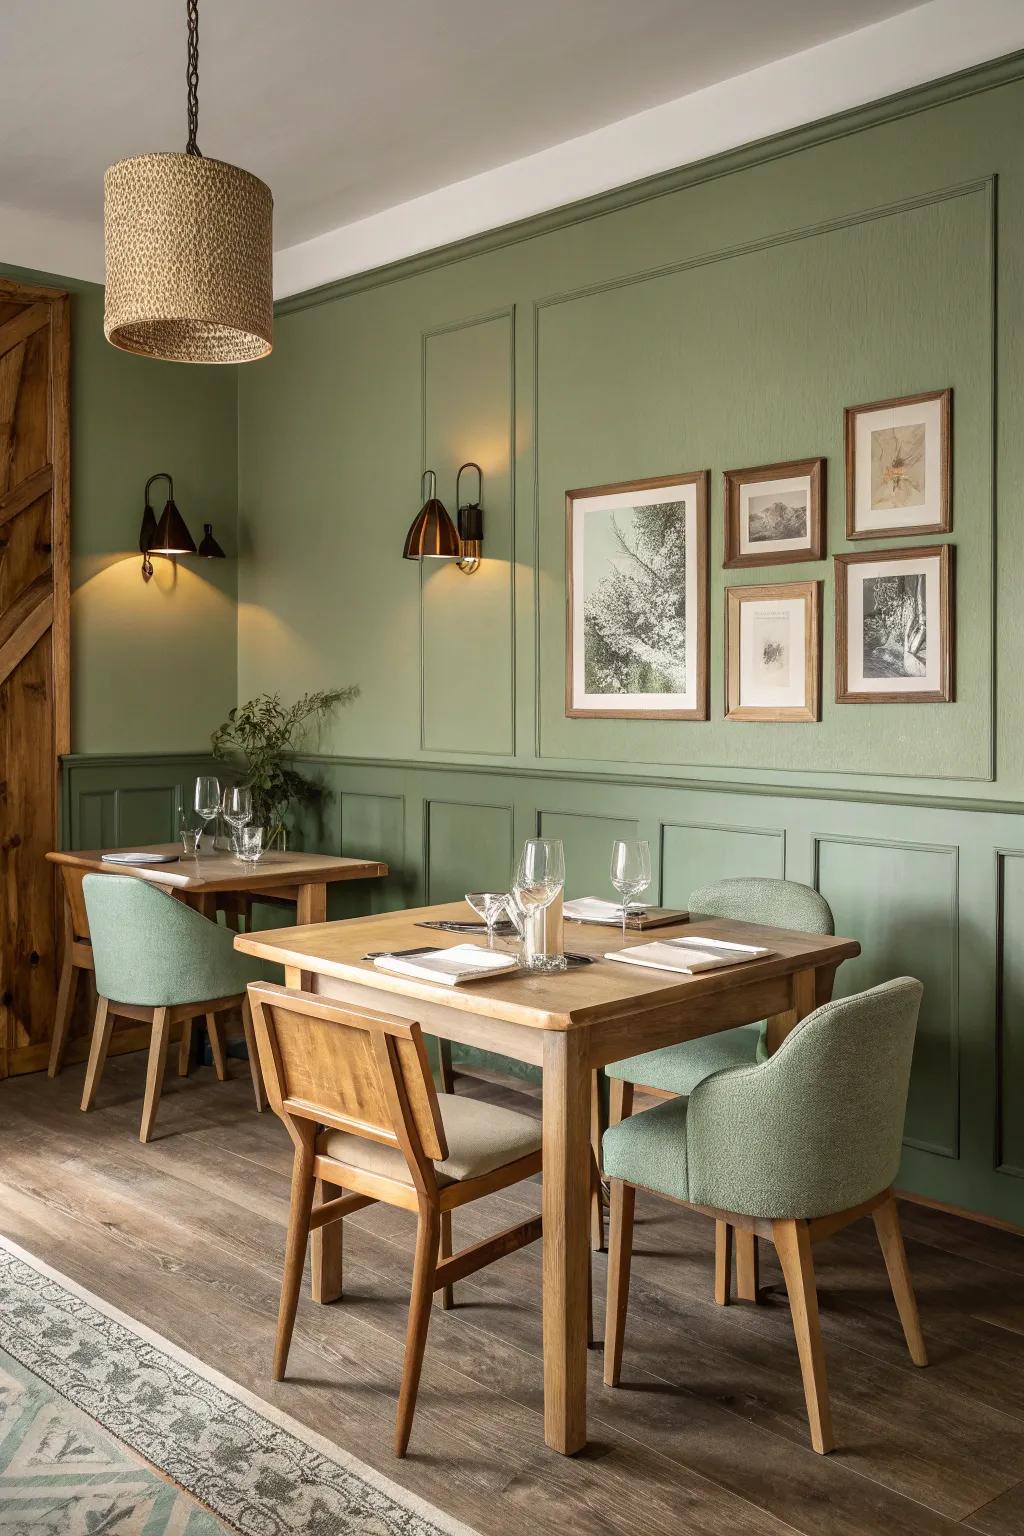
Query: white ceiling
x,y
352,107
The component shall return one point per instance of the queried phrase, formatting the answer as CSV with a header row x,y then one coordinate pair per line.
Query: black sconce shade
x,y
208,546
172,536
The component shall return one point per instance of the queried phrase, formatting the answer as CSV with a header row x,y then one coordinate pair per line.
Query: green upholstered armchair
x,y
789,1149
159,962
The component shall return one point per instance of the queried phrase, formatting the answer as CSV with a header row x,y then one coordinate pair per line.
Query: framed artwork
x,y
637,599
773,652
894,626
773,514
898,461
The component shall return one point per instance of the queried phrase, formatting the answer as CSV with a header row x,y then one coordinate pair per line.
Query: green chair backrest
x,y
153,951
818,1127
776,903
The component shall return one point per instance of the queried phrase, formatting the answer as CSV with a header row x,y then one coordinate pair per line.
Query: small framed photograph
x,y
898,463
637,599
773,652
894,627
773,514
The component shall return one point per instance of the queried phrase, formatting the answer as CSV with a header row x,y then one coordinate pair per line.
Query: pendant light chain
x,y
192,76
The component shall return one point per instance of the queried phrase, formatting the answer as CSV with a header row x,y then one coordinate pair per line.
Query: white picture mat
x,y
610,502
930,510
755,691
856,575
772,488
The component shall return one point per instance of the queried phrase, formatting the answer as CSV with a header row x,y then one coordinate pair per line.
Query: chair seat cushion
x,y
679,1068
650,1149
481,1137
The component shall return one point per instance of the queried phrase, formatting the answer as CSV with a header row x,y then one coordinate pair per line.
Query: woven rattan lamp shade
x,y
188,259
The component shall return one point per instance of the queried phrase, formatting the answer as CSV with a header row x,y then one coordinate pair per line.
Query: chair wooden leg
x,y
159,1041
303,1184
446,1071
102,1026
445,1250
620,1254
62,1016
793,1243
596,1192
890,1239
326,1253
723,1263
185,1048
620,1100
216,1036
747,1265
254,1061
428,1236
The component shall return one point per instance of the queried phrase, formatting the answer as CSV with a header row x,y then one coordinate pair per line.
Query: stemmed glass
x,y
539,876
207,800
631,871
236,808
490,905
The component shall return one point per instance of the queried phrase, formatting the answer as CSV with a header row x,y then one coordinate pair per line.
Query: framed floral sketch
x,y
894,626
773,652
637,599
898,463
774,513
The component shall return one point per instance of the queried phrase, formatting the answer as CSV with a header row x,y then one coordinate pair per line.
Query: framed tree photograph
x,y
637,599
773,652
894,627
774,513
898,466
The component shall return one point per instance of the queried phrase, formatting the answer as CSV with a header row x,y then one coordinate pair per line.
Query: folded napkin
x,y
689,955
452,967
127,857
591,909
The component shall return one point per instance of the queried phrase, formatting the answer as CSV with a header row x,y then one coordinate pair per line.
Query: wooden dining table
x,y
299,877
567,1023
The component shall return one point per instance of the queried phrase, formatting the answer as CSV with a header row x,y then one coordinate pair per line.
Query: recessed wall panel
x,y
588,849
694,856
469,848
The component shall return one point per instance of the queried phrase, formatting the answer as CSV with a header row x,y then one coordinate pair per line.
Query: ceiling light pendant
x,y
189,260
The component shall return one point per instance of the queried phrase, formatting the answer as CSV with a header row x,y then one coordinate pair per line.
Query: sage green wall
x,y
153,665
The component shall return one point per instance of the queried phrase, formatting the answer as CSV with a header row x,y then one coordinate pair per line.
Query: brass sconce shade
x,y
188,250
432,535
208,546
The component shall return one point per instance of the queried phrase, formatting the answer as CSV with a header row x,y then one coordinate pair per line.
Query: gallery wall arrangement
x,y
782,369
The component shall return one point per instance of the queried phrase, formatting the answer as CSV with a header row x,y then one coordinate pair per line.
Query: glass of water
x,y
190,830
250,844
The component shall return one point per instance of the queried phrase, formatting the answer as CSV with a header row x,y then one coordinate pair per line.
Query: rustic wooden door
x,y
35,720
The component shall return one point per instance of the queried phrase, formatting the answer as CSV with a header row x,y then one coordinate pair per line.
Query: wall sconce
x,y
433,535
170,536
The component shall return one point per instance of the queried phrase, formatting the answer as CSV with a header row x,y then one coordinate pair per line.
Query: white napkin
x,y
689,955
453,966
591,909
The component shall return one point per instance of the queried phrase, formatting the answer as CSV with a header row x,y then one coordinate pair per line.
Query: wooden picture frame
x,y
929,415
594,507
802,478
864,681
763,617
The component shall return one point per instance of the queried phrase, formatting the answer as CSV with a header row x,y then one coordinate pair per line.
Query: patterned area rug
x,y
108,1430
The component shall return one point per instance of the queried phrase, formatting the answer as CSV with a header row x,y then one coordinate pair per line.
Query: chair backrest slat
x,y
349,1069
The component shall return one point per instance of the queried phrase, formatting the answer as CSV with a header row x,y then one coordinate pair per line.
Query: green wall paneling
x,y
1009,1149
588,848
469,847
693,856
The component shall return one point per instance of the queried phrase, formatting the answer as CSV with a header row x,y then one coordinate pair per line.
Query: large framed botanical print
x,y
637,599
894,626
898,462
774,514
772,651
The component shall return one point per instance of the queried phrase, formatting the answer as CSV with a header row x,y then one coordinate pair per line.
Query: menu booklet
x,y
591,909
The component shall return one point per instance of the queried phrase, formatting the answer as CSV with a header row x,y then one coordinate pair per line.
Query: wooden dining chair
x,y
675,1070
356,1095
160,963
791,1150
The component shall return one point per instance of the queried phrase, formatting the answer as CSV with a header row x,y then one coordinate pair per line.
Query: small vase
x,y
277,839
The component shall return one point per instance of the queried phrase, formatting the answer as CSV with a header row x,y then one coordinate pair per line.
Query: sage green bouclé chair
x,y
789,1149
159,962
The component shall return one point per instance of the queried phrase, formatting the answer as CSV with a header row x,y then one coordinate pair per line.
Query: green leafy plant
x,y
259,738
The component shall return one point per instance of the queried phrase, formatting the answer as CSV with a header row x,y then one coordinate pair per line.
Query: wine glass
x,y
207,798
190,830
631,871
490,905
236,808
539,876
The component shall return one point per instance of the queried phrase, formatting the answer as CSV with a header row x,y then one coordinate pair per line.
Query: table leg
x,y
805,1000
310,907
566,1237
65,1000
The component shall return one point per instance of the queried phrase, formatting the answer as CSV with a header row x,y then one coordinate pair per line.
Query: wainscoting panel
x,y
692,856
148,815
1010,1044
588,849
97,819
469,848
377,822
900,901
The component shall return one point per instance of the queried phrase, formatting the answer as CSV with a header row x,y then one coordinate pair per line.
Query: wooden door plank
x,y
23,495
20,327
28,617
